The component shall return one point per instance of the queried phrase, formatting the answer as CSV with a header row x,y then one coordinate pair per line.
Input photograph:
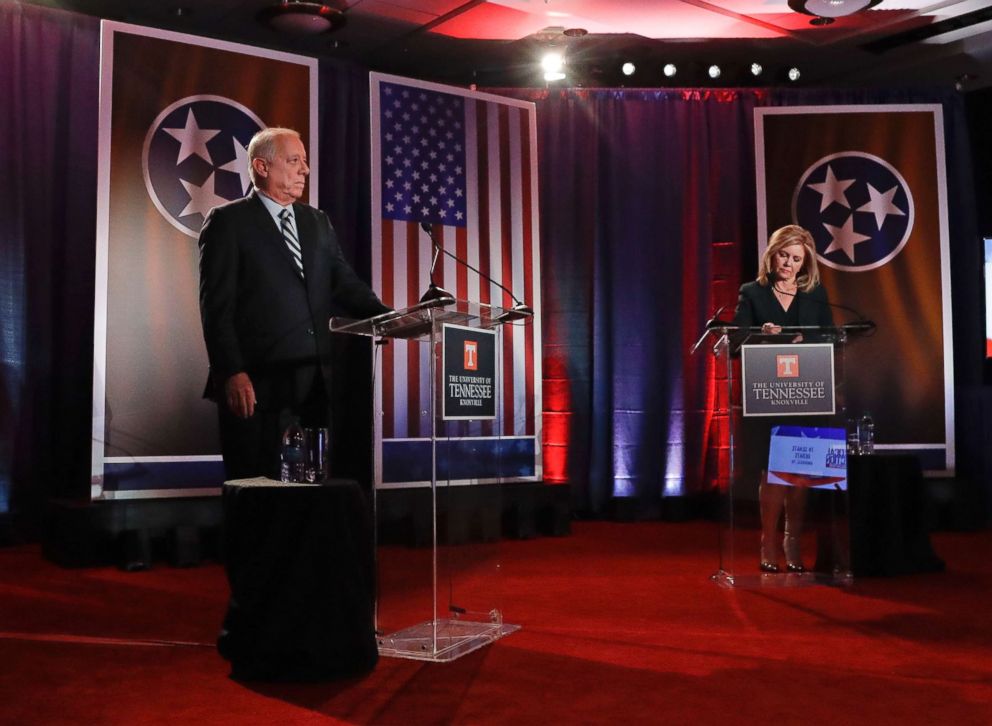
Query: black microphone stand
x,y
434,293
519,311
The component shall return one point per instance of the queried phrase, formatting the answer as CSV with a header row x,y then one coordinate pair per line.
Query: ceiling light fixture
x,y
831,8
300,17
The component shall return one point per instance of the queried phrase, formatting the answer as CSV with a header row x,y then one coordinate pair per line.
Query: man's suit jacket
x,y
259,314
757,305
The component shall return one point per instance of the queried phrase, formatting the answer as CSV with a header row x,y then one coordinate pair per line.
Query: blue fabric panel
x,y
407,461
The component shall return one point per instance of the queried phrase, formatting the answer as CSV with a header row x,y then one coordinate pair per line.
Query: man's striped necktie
x,y
286,227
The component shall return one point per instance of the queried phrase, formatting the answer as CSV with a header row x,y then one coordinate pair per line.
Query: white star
x,y
881,205
201,199
832,190
239,165
192,139
844,238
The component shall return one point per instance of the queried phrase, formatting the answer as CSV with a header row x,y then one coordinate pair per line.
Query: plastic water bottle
x,y
294,454
853,437
866,434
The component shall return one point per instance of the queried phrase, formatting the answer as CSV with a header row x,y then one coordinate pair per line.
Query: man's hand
x,y
240,395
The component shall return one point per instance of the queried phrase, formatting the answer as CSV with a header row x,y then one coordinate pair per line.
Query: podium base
x,y
781,579
450,640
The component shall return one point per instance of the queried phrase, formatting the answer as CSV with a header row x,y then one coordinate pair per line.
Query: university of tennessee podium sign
x,y
788,380
468,373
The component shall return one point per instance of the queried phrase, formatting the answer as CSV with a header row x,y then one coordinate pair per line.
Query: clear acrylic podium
x,y
817,517
451,592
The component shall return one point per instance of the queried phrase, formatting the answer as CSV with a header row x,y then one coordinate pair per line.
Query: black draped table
x,y
888,526
299,561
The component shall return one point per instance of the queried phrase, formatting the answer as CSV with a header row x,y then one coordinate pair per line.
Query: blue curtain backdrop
x,y
647,226
48,125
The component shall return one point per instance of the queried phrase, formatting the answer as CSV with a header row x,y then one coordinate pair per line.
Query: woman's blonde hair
x,y
791,234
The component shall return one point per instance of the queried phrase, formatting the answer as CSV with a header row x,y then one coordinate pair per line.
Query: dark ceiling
x,y
498,42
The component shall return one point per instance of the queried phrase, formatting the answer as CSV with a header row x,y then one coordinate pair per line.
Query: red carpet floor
x,y
620,625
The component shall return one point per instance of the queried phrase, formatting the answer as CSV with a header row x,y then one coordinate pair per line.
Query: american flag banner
x,y
464,163
869,184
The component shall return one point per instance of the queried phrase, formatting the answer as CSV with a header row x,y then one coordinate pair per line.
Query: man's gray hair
x,y
263,146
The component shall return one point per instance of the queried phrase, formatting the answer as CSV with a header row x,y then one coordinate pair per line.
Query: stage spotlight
x,y
553,64
793,74
670,70
756,69
628,68
714,71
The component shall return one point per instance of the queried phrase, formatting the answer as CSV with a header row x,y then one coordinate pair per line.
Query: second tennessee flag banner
x,y
464,163
869,184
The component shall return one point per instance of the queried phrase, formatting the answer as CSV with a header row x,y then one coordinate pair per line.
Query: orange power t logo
x,y
787,366
471,355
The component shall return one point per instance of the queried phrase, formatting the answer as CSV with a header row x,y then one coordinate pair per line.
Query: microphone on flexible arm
x,y
861,325
519,311
713,322
434,293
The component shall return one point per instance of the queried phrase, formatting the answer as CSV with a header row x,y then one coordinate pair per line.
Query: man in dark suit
x,y
271,273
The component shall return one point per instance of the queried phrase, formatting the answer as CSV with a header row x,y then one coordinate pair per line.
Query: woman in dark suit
x,y
786,293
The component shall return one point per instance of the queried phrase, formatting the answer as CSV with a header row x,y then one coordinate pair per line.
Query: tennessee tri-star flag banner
x,y
869,183
464,163
176,115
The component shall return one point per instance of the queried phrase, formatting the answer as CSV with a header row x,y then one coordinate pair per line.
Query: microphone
x,y
860,325
433,292
519,311
715,321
